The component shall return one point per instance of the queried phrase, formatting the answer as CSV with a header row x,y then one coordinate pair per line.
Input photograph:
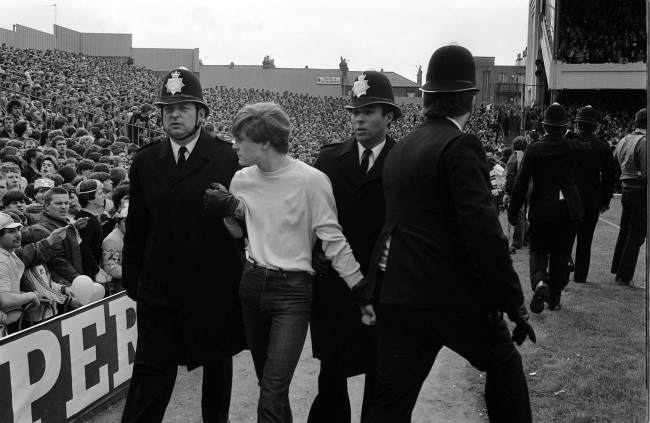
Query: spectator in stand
x,y
8,127
112,251
92,200
30,170
85,168
47,167
69,265
13,260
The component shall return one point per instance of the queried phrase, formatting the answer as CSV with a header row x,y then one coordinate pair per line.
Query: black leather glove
x,y
319,262
219,202
523,329
362,292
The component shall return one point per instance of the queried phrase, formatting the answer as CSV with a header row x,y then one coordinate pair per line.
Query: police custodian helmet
x,y
555,115
372,87
181,85
451,69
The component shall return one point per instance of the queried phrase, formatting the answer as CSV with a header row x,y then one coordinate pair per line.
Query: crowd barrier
x,y
64,368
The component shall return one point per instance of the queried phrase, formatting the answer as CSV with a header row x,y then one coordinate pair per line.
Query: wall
x,y
110,45
67,39
165,59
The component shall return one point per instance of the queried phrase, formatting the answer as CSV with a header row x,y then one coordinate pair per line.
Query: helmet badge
x,y
360,86
175,84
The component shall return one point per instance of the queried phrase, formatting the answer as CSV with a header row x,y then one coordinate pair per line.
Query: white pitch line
x,y
609,223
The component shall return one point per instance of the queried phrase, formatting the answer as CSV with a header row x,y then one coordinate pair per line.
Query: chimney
x,y
419,79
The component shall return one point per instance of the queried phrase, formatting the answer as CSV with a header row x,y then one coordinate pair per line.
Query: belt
x,y
273,269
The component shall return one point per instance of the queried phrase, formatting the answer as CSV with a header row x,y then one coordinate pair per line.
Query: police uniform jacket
x,y
336,328
551,163
177,256
595,174
447,248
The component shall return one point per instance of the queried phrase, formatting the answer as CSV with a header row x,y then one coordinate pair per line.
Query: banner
x,y
328,80
55,370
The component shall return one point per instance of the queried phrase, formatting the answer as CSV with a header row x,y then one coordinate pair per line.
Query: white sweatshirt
x,y
286,211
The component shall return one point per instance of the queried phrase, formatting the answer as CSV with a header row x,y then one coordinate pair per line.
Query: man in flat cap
x,y
631,156
344,345
447,274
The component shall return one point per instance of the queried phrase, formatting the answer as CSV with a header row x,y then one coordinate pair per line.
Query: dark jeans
x,y
584,235
409,340
632,234
332,403
550,248
275,306
154,370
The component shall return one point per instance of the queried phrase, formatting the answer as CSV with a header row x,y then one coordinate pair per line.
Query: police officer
x,y
344,345
447,274
595,181
554,207
181,266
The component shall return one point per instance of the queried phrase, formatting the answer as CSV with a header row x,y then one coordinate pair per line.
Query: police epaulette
x,y
149,145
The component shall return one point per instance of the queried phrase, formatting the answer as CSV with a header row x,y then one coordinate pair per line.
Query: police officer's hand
x,y
368,316
523,329
318,260
219,202
506,201
362,293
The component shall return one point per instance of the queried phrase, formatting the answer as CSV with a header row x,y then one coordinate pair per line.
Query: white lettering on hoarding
x,y
23,393
125,336
82,396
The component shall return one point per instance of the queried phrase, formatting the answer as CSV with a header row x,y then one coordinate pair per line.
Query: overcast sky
x,y
393,35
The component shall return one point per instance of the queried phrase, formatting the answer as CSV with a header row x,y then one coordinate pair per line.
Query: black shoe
x,y
539,297
554,301
622,281
579,280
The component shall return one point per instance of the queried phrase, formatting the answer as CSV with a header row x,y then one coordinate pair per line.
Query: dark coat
x,y
447,252
551,163
91,244
595,174
67,264
336,328
177,256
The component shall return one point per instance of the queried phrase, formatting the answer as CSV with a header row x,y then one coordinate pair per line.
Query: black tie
x,y
365,160
181,157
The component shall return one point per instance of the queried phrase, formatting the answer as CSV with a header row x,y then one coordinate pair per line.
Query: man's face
x,y
74,204
100,197
58,206
9,124
60,146
17,206
248,152
47,168
13,180
179,119
11,239
369,124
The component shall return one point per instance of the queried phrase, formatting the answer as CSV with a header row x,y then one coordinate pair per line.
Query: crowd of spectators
x,y
69,127
602,31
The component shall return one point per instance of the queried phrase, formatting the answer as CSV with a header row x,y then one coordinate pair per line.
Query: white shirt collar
x,y
189,146
376,151
455,123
